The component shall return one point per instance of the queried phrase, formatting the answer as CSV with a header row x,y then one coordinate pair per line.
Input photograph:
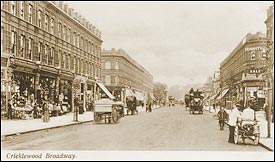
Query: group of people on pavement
x,y
247,116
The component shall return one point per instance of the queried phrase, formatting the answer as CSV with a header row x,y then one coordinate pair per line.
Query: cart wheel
x,y
236,135
96,118
257,138
114,116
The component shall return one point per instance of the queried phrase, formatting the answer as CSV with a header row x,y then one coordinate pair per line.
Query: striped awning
x,y
106,91
222,94
214,96
129,92
139,96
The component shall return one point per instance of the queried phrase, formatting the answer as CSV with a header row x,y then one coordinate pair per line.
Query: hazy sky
x,y
177,42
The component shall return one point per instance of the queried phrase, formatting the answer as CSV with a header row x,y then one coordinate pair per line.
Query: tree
x,y
160,91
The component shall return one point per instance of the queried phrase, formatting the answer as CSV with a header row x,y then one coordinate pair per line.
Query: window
x,y
13,43
59,29
72,63
13,9
253,55
30,49
30,13
60,62
22,9
68,62
40,19
107,80
63,64
51,55
2,38
116,80
74,39
92,70
69,35
46,54
2,4
46,22
107,65
39,51
22,46
77,40
116,66
64,32
52,25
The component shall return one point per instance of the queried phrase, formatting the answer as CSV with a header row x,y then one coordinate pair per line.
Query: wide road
x,y
164,129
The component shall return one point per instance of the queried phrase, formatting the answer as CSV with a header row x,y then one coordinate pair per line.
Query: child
x,y
222,117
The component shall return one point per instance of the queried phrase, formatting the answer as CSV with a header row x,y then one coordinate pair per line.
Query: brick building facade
x,y
46,46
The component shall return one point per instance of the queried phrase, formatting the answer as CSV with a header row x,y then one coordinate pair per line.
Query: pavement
x,y
264,140
19,126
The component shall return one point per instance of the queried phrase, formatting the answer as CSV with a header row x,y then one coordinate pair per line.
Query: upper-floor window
x,y
39,51
77,40
39,18
30,13
253,55
116,65
46,57
107,80
46,22
74,39
2,38
13,43
64,32
22,46
59,29
69,35
116,80
52,25
51,56
2,4
13,8
68,62
30,49
107,65
22,4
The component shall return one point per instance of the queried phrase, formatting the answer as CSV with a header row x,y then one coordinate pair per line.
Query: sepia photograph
x,y
137,80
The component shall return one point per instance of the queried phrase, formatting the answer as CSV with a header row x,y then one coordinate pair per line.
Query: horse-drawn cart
x,y
107,110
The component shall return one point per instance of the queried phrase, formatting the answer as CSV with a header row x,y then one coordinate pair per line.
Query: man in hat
x,y
233,117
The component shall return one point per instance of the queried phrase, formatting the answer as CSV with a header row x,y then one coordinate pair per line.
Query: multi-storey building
x,y
241,72
269,73
121,73
46,46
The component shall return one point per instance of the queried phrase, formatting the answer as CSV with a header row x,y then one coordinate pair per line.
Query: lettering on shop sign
x,y
255,71
254,49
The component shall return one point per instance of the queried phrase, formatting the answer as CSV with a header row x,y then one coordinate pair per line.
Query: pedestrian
x,y
9,109
46,111
214,107
233,117
222,117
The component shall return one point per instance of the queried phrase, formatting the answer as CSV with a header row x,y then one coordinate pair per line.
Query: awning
x,y
106,91
222,94
129,92
214,96
139,96
152,96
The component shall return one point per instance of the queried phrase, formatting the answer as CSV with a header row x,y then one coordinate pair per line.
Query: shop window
x,y
30,13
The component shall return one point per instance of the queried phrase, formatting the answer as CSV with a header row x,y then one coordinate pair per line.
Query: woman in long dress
x,y
46,113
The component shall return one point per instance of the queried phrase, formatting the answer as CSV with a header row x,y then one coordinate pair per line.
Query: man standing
x,y
233,117
222,117
248,113
9,109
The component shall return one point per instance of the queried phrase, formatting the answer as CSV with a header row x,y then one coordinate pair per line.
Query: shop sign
x,y
255,71
253,49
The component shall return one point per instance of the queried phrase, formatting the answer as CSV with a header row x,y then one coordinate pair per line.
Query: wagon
x,y
247,129
107,110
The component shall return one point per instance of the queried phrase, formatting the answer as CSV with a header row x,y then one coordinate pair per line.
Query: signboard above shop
x,y
255,71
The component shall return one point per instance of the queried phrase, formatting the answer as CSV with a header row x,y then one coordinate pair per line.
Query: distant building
x,y
241,72
121,73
